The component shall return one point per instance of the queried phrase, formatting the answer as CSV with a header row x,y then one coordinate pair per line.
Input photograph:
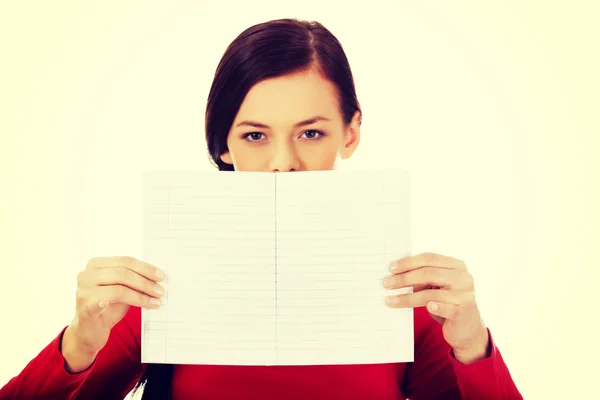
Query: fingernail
x,y
158,290
392,301
433,306
155,302
160,274
393,267
387,282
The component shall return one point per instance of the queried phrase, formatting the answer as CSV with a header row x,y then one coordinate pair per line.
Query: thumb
x,y
96,307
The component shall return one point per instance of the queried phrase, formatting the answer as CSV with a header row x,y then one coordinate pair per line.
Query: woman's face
x,y
291,123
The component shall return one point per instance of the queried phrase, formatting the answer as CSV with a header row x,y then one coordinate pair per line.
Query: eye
x,y
253,136
312,134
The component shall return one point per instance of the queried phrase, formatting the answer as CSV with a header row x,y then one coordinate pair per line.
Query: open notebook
x,y
276,268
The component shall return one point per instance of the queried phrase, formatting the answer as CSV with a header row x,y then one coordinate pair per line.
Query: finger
x,y
148,270
419,288
122,294
443,310
88,305
129,278
420,299
85,279
432,276
425,260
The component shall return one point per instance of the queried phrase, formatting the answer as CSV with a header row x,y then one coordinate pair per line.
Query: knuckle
x,y
397,280
120,292
148,286
142,299
455,313
81,303
120,274
437,295
429,257
126,260
454,299
429,275
460,298
79,297
91,262
470,279
81,278
155,271
418,301
470,297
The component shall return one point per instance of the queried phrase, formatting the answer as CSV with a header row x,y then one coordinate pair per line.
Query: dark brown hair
x,y
269,50
266,50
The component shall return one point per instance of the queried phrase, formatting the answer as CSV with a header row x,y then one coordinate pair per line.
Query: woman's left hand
x,y
444,285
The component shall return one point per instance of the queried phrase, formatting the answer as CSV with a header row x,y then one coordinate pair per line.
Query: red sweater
x,y
435,374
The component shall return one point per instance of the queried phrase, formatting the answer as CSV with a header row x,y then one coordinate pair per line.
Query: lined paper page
x,y
213,234
337,232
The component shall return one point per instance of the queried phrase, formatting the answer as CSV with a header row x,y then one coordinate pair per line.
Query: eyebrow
x,y
299,124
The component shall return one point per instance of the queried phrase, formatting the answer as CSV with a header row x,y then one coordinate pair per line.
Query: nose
x,y
284,158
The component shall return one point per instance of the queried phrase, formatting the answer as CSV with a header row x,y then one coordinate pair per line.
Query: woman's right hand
x,y
105,291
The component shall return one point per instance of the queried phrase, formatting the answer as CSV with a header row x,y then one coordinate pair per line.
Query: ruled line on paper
x,y
293,260
198,244
362,213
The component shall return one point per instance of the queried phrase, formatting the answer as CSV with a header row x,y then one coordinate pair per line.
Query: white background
x,y
490,107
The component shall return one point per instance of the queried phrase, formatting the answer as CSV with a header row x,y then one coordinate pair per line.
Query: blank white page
x,y
214,235
337,232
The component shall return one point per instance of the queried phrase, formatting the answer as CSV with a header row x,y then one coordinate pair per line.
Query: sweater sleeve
x,y
113,373
435,373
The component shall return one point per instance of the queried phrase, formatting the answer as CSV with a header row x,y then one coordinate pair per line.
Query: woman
x,y
282,99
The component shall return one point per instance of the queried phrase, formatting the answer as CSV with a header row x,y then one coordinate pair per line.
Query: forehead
x,y
290,98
